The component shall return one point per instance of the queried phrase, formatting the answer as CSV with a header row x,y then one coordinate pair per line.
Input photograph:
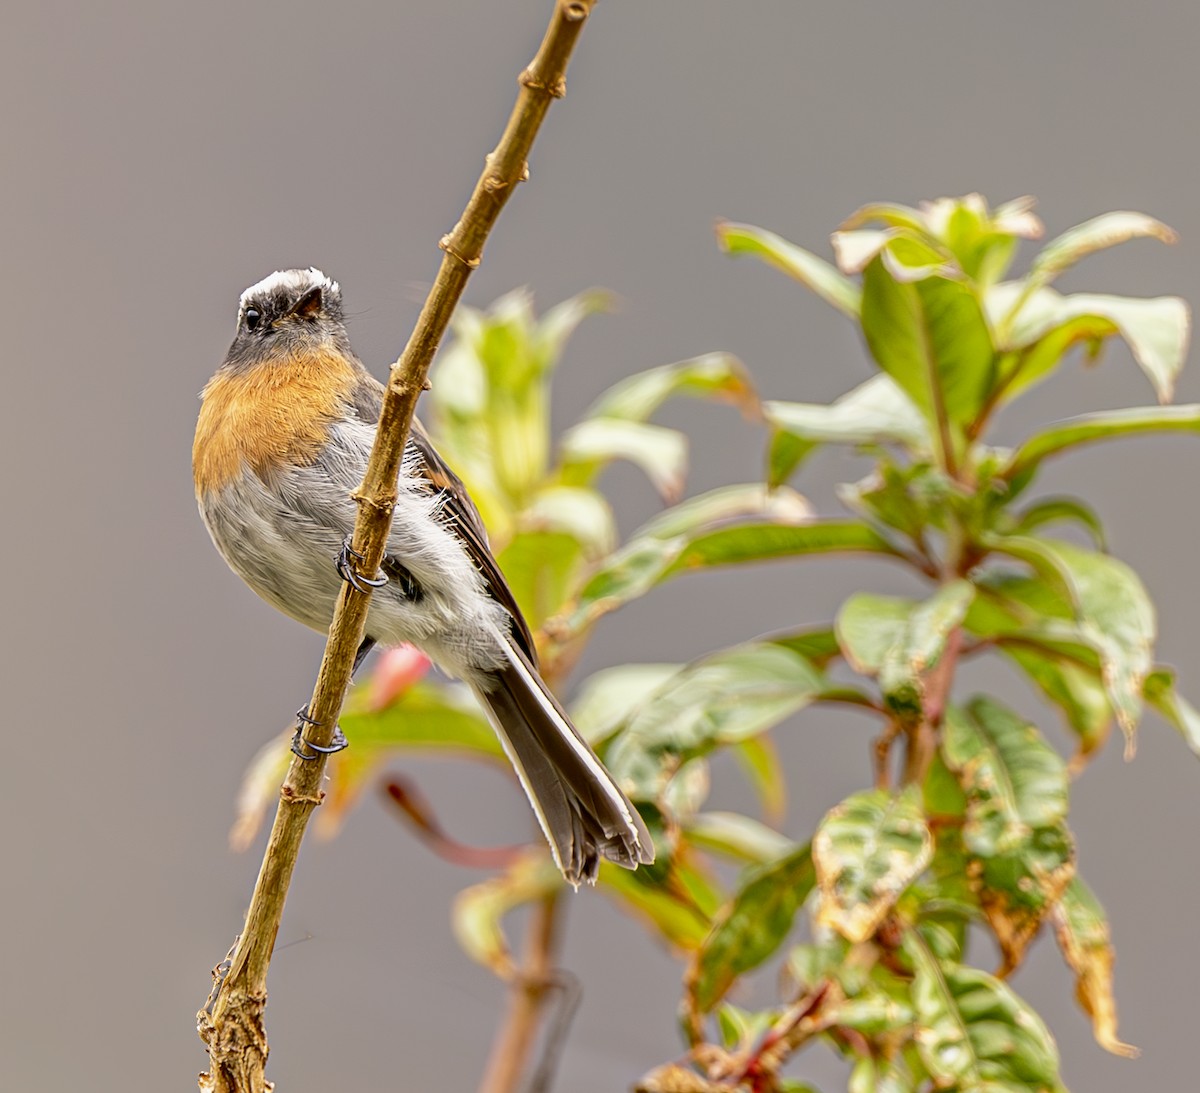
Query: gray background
x,y
161,156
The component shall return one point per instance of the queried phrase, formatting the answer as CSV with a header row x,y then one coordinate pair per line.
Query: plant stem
x,y
514,1040
231,1024
922,737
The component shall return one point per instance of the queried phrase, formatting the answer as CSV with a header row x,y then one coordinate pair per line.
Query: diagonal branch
x,y
231,1024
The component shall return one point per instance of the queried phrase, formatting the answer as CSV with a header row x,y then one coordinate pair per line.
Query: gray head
x,y
291,310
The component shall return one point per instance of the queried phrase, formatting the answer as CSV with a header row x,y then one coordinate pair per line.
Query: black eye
x,y
252,317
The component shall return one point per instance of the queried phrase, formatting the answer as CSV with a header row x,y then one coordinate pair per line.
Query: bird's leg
x,y
345,563
339,741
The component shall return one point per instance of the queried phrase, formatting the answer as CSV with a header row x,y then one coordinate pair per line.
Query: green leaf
x,y
875,412
1156,330
974,1034
1014,781
609,696
581,513
1114,613
736,836
647,560
871,1075
558,323
1160,691
1105,425
1028,363
1053,510
759,761
751,927
1074,687
1081,928
478,910
722,699
813,272
433,716
594,443
716,376
931,337
899,641
541,569
867,851
855,250
706,511
1094,235
661,900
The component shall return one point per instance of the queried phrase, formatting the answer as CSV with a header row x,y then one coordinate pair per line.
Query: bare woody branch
x,y
231,1024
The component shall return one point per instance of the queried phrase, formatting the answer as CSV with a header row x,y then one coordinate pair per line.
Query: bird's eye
x,y
252,317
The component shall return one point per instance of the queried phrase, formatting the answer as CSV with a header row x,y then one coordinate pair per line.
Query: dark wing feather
x,y
461,514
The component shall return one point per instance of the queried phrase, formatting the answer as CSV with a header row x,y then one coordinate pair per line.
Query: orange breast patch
x,y
276,413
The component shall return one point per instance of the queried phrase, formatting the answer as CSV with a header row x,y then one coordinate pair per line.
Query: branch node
x,y
290,795
446,243
556,88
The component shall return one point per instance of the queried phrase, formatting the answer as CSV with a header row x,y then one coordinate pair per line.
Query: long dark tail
x,y
582,811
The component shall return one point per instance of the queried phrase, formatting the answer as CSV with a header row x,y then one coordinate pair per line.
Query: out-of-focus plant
x,y
966,830
965,827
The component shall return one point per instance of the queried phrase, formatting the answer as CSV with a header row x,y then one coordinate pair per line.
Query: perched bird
x,y
286,426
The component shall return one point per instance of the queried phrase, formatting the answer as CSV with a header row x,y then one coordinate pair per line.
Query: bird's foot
x,y
299,744
346,567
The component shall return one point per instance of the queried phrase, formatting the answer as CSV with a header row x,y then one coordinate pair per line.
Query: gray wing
x,y
459,511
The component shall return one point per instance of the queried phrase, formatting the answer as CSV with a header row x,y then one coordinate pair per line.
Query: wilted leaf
x,y
1160,691
867,851
717,376
1093,235
1082,931
478,910
721,699
1114,614
875,412
931,337
595,442
751,926
1105,425
811,271
1019,888
1016,789
974,1033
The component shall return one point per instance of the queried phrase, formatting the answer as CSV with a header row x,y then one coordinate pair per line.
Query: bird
x,y
285,429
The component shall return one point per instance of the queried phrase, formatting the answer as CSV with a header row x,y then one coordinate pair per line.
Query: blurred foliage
x,y
965,828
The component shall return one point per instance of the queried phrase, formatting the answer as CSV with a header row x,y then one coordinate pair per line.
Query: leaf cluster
x,y
965,827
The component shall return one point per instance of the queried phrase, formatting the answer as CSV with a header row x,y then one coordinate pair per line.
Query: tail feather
x,y
583,813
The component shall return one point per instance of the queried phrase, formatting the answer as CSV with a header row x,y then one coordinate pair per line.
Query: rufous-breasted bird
x,y
286,426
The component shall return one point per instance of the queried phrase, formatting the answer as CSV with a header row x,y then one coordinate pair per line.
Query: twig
x,y
922,737
232,1029
514,1041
